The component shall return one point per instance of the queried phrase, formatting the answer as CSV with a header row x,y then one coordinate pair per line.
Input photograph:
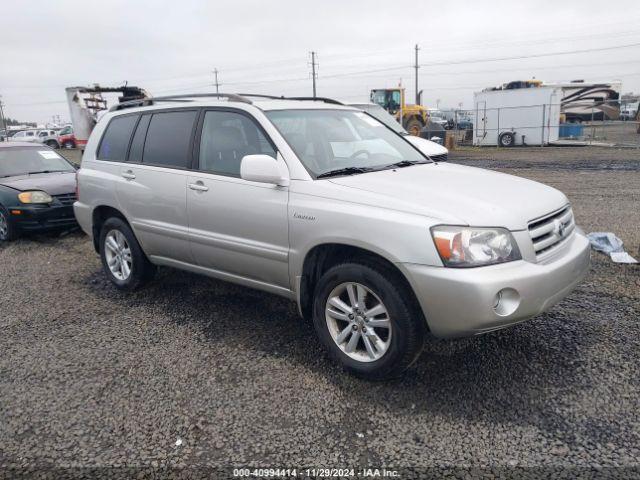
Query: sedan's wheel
x,y
123,260
358,322
7,231
367,318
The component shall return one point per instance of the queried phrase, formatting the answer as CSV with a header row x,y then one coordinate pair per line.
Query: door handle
x,y
129,175
199,187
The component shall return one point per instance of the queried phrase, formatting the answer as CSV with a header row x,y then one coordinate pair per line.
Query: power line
x,y
432,46
539,55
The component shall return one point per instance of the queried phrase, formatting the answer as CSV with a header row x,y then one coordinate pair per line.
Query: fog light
x,y
506,302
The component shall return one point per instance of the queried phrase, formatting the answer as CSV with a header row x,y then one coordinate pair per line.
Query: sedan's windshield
x,y
333,140
25,160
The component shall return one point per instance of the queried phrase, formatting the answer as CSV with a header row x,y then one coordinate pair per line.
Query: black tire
x,y
414,126
507,139
52,144
9,233
407,322
142,270
68,144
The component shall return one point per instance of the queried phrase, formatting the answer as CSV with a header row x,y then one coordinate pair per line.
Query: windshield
x,y
20,161
382,115
328,140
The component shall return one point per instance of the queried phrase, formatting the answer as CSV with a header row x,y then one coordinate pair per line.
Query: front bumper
x,y
461,302
43,218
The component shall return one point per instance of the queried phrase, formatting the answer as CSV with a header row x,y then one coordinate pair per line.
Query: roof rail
x,y
317,99
143,102
258,95
282,97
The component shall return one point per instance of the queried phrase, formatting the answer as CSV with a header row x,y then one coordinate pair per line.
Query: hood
x,y
458,194
52,183
426,146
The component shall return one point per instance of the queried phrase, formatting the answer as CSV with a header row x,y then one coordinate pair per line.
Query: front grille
x,y
66,199
549,231
439,158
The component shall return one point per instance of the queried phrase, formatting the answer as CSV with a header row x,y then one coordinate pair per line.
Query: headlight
x,y
35,197
473,247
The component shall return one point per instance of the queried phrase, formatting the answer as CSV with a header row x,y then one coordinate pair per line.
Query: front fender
x,y
397,236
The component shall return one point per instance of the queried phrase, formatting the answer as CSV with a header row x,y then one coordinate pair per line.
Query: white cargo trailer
x,y
523,116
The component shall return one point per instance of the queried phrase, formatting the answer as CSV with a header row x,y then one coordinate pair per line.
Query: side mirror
x,y
264,169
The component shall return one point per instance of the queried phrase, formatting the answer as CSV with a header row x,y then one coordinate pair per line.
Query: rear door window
x,y
115,140
168,139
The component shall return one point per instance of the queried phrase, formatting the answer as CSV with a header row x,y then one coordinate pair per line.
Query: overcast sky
x,y
263,46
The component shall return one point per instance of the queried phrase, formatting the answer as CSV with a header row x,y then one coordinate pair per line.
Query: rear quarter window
x,y
115,141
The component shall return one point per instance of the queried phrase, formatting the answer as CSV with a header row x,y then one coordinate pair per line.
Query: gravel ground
x,y
91,377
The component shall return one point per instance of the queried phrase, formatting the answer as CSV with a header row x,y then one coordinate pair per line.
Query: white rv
x,y
524,116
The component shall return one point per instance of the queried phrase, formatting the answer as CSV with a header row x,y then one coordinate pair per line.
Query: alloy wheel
x,y
4,227
118,254
358,322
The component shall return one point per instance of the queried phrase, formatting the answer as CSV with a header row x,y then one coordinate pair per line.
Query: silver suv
x,y
323,204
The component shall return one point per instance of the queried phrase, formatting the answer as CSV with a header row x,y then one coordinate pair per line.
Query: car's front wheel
x,y
367,320
7,229
123,260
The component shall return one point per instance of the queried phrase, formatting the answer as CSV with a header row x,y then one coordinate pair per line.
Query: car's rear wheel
x,y
8,231
123,260
367,321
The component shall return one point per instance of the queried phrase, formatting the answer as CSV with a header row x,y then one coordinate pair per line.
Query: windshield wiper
x,y
404,163
47,171
345,171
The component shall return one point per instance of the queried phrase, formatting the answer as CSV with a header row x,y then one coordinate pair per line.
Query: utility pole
x,y
417,66
217,84
314,75
4,123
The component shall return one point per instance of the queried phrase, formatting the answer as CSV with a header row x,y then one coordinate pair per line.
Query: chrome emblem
x,y
559,228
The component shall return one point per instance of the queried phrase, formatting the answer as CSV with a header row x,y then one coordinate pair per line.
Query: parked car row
x,y
45,136
63,138
313,200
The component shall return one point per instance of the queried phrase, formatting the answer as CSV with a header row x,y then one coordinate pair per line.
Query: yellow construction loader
x,y
412,117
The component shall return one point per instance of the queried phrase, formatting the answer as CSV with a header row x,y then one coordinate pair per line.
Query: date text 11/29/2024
x,y
315,472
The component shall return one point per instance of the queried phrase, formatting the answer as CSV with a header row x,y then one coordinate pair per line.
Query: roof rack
x,y
144,102
317,99
258,95
282,97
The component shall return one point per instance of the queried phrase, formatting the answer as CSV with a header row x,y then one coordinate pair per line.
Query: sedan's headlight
x,y
35,196
473,247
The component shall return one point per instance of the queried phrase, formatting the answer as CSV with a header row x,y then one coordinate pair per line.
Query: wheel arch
x,y
323,256
100,215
